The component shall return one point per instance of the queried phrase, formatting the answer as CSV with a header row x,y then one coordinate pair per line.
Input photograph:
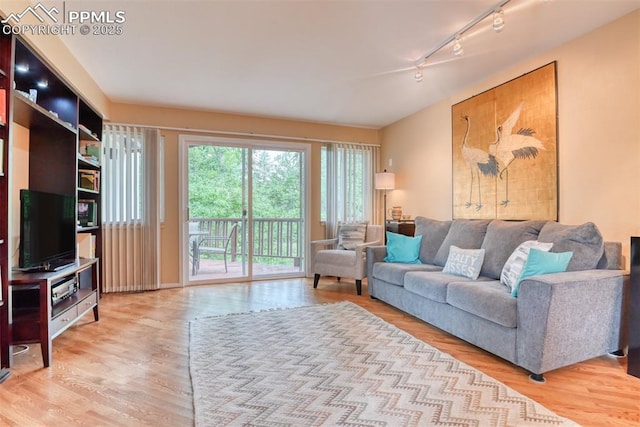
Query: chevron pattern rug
x,y
339,365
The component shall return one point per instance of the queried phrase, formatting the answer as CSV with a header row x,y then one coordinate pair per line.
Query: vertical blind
x,y
350,170
131,209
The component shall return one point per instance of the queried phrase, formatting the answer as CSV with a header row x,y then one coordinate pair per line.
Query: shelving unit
x,y
57,119
6,77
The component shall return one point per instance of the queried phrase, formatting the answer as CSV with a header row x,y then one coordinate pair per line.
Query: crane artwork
x,y
511,146
496,162
479,162
504,144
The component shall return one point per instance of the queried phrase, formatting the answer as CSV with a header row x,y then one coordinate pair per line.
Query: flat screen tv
x,y
47,230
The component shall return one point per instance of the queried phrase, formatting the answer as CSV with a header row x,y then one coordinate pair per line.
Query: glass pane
x,y
217,198
278,212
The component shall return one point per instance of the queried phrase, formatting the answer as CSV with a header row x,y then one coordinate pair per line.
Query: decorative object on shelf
x,y
3,106
86,245
385,181
87,213
507,171
89,179
395,212
90,150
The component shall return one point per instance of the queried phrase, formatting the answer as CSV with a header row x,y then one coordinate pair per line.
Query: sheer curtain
x,y
131,213
349,184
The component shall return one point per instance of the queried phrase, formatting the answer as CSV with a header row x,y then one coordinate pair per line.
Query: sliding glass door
x,y
243,209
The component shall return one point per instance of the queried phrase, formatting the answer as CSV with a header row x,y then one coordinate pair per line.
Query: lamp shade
x,y
385,181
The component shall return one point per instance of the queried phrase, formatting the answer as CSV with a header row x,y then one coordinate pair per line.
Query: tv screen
x,y
47,230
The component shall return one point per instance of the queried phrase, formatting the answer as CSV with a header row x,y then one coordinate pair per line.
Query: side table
x,y
402,226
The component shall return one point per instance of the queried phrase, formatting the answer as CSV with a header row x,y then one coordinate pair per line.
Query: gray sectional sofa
x,y
556,319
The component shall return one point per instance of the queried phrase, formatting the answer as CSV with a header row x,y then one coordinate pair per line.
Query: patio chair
x,y
216,245
346,260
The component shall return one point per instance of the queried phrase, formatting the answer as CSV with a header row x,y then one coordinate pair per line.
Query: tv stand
x,y
33,315
48,267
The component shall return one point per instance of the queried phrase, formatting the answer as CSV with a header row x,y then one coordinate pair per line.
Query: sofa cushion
x,y
401,248
463,233
433,233
515,264
432,284
487,299
585,241
541,262
502,238
464,262
394,273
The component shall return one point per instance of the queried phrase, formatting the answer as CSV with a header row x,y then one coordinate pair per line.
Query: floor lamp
x,y
385,181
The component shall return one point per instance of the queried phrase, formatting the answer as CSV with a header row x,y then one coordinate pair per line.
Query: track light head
x,y
498,20
457,46
418,75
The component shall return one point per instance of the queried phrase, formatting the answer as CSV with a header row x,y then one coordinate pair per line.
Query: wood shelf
x,y
87,164
30,115
86,190
86,135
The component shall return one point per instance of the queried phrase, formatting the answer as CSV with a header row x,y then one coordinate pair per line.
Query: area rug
x,y
339,365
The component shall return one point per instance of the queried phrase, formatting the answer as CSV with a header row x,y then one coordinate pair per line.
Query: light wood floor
x,y
131,368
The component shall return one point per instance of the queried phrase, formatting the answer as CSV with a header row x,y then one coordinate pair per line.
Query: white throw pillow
x,y
464,262
351,235
515,264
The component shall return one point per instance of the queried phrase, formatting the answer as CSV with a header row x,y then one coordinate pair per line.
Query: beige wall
x,y
598,144
169,118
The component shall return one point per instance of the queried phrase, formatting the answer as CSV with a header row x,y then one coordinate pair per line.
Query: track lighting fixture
x,y
22,68
418,76
457,46
42,84
498,20
456,38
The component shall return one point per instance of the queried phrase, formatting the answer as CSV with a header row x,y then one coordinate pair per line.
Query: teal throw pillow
x,y
403,249
541,262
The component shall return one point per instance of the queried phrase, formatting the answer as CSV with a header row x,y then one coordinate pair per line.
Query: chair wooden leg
x,y
359,287
316,278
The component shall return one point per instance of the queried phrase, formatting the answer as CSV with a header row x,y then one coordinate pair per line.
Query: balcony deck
x,y
214,270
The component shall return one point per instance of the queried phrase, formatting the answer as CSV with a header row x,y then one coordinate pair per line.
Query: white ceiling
x,y
344,62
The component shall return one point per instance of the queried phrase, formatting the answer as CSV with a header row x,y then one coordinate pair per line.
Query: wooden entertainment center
x,y
37,316
53,158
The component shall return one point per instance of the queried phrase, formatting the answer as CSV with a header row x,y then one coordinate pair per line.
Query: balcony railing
x,y
275,238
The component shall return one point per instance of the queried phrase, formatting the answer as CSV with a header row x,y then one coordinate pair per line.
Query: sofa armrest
x,y
361,253
316,245
374,254
565,318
